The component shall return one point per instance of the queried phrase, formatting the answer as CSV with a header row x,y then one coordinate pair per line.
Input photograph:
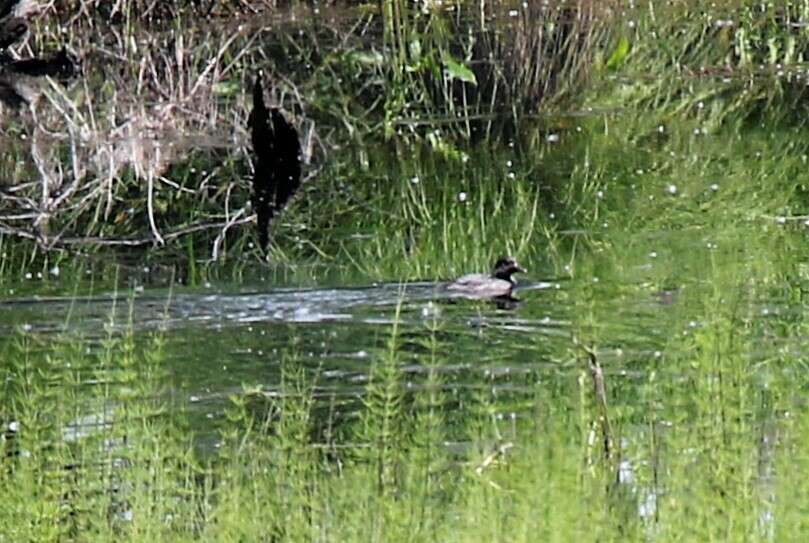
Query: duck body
x,y
497,284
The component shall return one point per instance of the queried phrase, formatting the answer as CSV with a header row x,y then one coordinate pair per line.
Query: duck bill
x,y
520,269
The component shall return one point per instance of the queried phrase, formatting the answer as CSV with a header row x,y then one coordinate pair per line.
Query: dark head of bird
x,y
505,267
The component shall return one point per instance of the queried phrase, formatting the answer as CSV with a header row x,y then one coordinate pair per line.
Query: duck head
x,y
505,267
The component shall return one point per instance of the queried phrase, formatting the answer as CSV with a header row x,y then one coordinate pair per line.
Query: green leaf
x,y
457,70
618,56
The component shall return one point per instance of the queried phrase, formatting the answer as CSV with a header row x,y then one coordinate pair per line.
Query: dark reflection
x,y
278,161
12,29
61,65
18,85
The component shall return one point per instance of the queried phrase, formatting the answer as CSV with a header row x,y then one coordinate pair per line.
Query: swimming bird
x,y
499,283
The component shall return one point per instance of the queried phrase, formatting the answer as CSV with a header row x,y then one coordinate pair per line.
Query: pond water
x,y
660,327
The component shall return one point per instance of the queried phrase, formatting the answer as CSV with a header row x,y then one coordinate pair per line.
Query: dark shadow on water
x,y
277,161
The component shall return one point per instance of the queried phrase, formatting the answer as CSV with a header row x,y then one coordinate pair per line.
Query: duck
x,y
498,284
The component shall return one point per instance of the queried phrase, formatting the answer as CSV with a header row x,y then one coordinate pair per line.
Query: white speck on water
x,y
714,187
28,275
658,354
552,216
552,138
54,271
700,105
512,175
193,399
653,254
461,196
513,13
595,279
781,220
661,128
600,194
415,179
508,164
671,189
